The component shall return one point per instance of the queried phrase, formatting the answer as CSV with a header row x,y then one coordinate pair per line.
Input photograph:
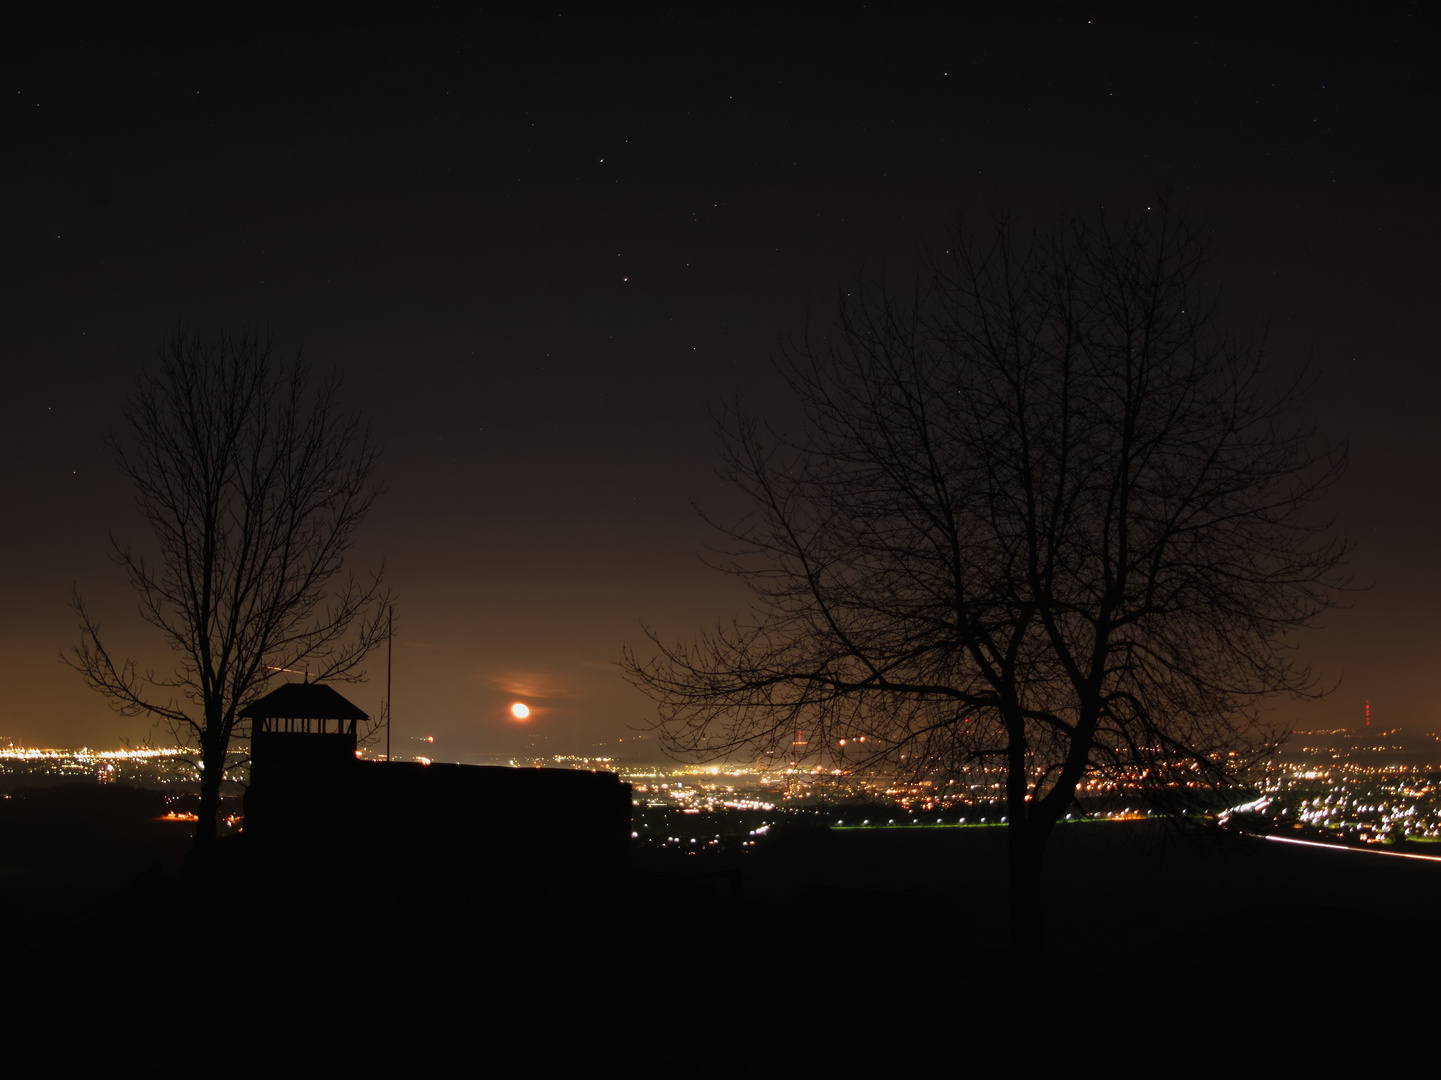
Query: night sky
x,y
540,250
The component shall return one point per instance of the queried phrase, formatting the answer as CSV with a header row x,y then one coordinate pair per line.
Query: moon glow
x,y
520,710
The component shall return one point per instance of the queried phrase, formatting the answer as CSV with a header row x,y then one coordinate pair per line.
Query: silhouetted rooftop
x,y
313,701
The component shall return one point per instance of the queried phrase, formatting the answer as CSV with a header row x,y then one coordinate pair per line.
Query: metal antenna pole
x,y
389,639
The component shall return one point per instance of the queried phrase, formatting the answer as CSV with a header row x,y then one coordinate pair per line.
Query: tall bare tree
x,y
254,483
1045,519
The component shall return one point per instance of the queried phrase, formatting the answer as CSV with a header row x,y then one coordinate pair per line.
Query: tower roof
x,y
302,701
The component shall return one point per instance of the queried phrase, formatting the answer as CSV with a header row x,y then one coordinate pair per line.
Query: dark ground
x,y
866,947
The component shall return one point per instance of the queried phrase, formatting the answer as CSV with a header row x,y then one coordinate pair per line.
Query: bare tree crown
x,y
254,483
1043,512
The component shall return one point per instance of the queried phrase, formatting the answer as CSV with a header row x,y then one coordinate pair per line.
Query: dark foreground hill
x,y
868,946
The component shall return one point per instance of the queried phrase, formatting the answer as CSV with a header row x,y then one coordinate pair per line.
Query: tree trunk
x,y
1025,841
210,777
1025,844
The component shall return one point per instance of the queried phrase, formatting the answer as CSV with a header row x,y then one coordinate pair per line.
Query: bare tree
x,y
254,484
1045,520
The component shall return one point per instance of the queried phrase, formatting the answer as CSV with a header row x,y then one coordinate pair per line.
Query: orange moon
x,y
519,710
